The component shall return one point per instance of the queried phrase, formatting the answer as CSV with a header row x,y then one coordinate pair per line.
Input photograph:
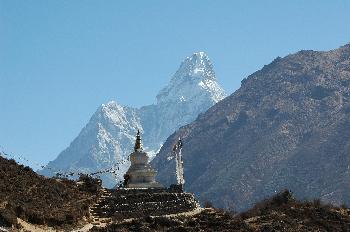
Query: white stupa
x,y
140,173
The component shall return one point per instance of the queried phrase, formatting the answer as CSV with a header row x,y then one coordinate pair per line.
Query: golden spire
x,y
138,144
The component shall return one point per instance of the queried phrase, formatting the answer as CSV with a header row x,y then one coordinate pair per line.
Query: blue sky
x,y
59,60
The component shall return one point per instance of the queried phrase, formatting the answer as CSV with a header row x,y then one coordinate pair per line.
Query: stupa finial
x,y
138,144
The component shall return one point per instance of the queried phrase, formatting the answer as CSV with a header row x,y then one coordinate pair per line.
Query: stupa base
x,y
144,185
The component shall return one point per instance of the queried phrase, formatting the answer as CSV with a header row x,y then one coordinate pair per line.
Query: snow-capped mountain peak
x,y
110,134
197,65
194,78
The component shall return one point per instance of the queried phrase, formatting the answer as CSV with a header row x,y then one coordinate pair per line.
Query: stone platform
x,y
119,204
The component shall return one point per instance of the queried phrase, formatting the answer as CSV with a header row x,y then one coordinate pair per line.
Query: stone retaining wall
x,y
133,203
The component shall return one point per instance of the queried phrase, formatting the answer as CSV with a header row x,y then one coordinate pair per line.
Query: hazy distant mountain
x,y
109,135
288,126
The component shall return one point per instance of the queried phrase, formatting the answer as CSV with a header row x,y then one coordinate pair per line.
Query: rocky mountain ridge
x,y
286,127
108,138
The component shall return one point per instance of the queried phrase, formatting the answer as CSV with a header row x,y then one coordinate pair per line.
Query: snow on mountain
x,y
194,75
109,136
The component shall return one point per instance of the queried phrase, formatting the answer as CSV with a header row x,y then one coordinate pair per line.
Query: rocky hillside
x,y
40,200
46,204
108,138
287,126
